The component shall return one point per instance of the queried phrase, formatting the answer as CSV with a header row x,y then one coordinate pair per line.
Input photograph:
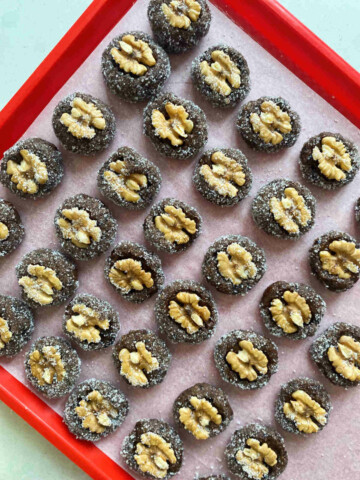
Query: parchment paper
x,y
334,453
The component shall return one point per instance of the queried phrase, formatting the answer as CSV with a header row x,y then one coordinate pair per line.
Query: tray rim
x,y
268,23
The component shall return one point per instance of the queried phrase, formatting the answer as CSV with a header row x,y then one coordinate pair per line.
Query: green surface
x,y
29,29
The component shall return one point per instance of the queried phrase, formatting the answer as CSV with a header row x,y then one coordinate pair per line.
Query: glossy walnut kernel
x,y
246,359
202,410
335,260
337,354
292,310
303,406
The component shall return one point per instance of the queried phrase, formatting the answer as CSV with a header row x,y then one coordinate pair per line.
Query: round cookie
x,y
303,406
46,277
141,358
337,354
213,477
176,127
91,323
203,411
256,451
83,124
222,75
137,447
291,310
268,124
328,160
284,209
179,25
234,264
134,67
52,366
335,260
246,359
84,226
95,409
129,180
32,168
16,325
357,210
134,272
222,176
12,230
172,226
186,312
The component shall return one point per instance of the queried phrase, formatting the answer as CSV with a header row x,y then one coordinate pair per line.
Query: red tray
x,y
267,22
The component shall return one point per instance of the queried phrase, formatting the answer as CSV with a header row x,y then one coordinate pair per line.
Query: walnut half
x,y
180,13
47,366
188,313
40,286
96,412
133,56
86,324
4,231
5,334
293,314
236,264
291,211
256,459
342,260
175,225
176,127
135,364
333,158
223,173
29,173
153,455
271,122
248,361
199,417
127,274
302,409
84,116
124,184
222,75
77,226
345,358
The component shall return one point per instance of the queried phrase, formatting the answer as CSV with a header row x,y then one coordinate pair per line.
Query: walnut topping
x,y
40,286
128,274
86,324
290,211
134,364
153,455
302,410
47,366
134,56
78,227
199,417
125,185
236,264
293,314
96,412
176,127
173,224
83,117
223,174
333,158
29,173
346,358
4,231
271,122
344,261
222,75
5,334
188,313
248,361
180,13
256,459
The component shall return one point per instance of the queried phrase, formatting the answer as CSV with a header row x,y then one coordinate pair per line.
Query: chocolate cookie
x,y
129,180
176,127
95,409
329,160
32,168
246,359
357,210
202,410
172,225
141,358
292,310
153,449
303,406
186,312
46,277
12,230
52,366
335,260
84,226
16,325
268,124
91,323
234,264
284,209
179,25
222,75
213,477
223,176
83,124
134,272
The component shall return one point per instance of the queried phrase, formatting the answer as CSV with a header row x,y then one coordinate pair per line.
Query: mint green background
x,y
29,29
